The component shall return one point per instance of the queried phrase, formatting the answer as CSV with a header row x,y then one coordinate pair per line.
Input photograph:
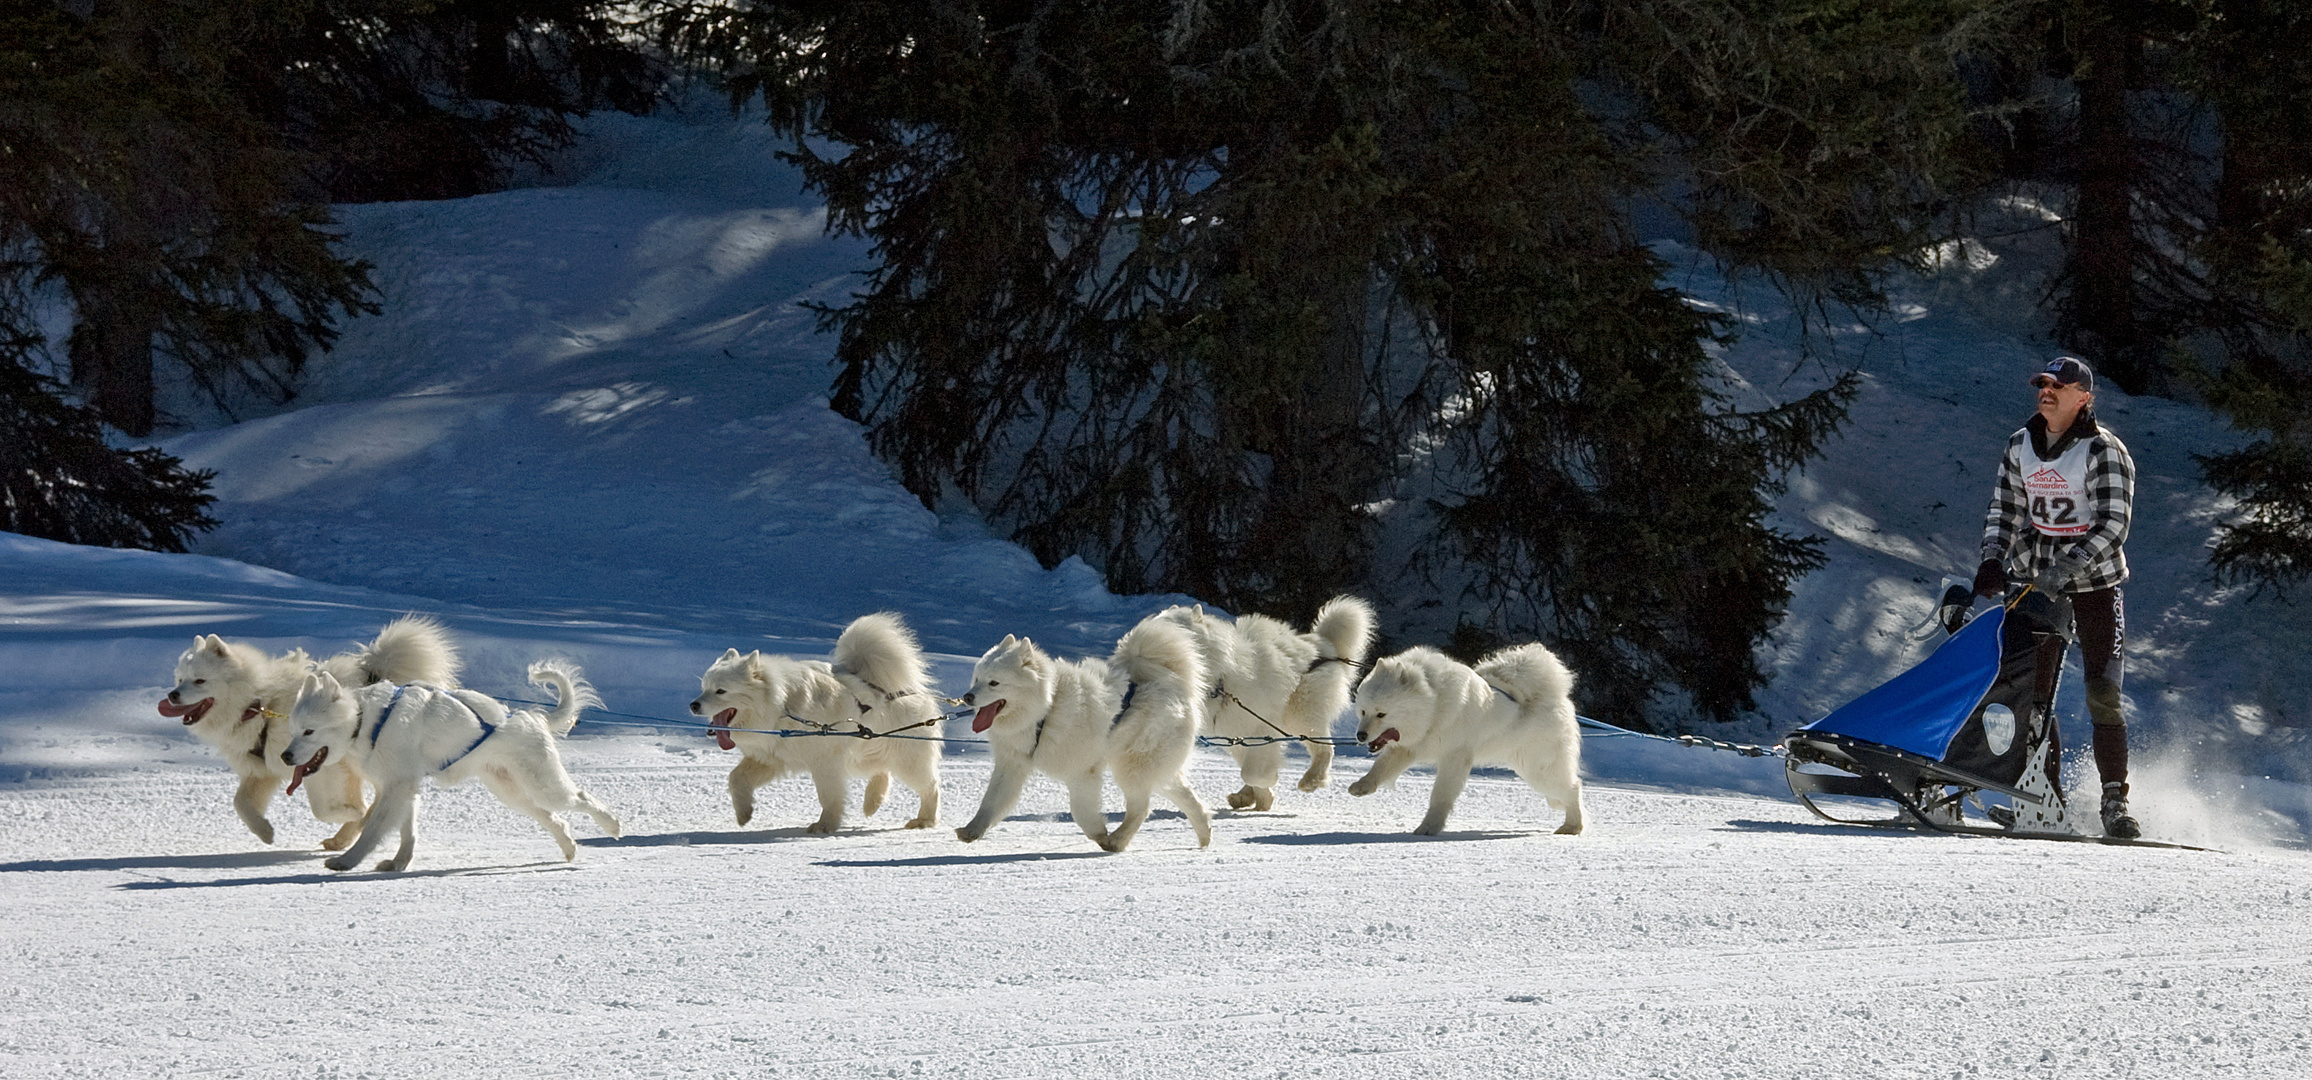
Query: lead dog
x,y
1514,708
1133,716
397,736
1272,682
236,698
877,682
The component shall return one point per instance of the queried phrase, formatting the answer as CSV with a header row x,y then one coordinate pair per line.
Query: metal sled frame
x,y
1926,793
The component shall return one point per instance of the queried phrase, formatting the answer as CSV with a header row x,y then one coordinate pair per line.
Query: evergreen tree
x,y
1186,288
171,161
2187,147
61,480
2251,67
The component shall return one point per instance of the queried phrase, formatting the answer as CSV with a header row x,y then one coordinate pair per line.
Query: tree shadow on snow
x,y
1820,828
220,861
353,875
1313,839
968,860
706,837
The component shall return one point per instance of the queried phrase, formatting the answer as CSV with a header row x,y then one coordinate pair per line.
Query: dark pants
x,y
2101,619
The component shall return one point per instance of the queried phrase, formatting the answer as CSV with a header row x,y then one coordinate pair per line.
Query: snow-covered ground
x,y
589,424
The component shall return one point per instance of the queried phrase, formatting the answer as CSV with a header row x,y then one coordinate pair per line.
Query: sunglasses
x,y
2042,382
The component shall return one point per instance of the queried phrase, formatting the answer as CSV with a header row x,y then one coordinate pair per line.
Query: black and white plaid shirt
x,y
2007,531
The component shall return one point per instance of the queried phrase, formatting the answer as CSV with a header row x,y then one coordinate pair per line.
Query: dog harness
x,y
1130,689
488,729
888,696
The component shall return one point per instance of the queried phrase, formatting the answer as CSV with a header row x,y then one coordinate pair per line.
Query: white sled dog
x,y
1512,709
877,682
1271,680
397,736
236,698
1132,716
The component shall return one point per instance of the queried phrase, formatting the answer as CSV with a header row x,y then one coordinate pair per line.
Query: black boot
x,y
2116,820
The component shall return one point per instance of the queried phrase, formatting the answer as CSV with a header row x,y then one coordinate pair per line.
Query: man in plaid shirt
x,y
2059,514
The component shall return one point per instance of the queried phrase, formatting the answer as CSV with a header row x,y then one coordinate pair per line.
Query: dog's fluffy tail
x,y
1535,677
1345,624
1160,655
571,692
880,649
413,648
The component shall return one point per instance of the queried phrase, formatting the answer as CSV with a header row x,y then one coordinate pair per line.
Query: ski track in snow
x,y
1684,935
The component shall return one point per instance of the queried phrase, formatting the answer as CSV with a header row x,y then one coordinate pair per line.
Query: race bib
x,y
2057,491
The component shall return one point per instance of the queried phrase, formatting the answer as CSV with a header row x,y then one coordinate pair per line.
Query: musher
x,y
2073,482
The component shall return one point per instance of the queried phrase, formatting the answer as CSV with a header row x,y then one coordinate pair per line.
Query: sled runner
x,y
1975,719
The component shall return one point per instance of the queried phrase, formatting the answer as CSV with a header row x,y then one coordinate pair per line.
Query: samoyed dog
x,y
877,682
1514,708
397,736
236,698
1132,716
1271,680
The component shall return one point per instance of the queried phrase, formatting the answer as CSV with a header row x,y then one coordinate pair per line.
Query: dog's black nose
x,y
967,699
287,760
694,709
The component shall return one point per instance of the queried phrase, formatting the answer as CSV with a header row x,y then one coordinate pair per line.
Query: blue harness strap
x,y
384,713
488,729
1130,689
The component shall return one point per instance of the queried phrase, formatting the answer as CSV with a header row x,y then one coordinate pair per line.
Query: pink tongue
x,y
1384,739
297,775
986,715
722,721
192,713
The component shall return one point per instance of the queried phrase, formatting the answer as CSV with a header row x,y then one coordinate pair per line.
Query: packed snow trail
x,y
1684,935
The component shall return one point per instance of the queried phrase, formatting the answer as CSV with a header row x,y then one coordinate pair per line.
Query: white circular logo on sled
x,y
1999,727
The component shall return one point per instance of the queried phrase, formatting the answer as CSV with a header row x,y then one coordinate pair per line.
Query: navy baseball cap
x,y
2066,371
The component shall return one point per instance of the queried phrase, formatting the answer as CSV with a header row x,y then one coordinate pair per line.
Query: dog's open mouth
x,y
297,776
986,714
1383,739
721,726
192,713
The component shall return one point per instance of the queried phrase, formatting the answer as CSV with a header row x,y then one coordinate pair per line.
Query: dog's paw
x,y
1364,786
1314,783
924,823
391,866
1569,829
1110,844
1429,828
823,826
746,814
340,865
967,834
334,844
1263,798
263,829
1238,800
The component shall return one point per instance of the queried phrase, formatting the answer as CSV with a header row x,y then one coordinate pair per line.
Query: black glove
x,y
1991,579
1952,612
2058,573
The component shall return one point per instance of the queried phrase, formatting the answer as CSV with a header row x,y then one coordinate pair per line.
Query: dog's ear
x,y
320,686
728,656
216,645
1007,642
755,671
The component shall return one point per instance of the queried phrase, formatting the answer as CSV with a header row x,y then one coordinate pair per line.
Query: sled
x,y
1968,732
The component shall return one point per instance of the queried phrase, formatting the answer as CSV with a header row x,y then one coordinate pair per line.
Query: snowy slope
x,y
590,424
